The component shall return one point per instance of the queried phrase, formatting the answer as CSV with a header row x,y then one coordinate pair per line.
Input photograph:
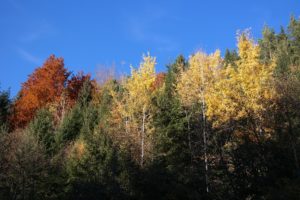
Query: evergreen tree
x,y
174,166
78,119
70,127
294,37
96,170
26,168
5,109
230,58
268,45
42,128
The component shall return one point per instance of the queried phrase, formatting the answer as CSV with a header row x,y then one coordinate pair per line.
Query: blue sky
x,y
92,34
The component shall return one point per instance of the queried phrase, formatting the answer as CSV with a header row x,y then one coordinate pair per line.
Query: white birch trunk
x,y
143,138
204,129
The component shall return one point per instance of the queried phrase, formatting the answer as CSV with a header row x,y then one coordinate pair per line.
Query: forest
x,y
210,127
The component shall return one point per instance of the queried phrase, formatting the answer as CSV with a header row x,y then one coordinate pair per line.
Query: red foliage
x,y
74,86
159,80
45,85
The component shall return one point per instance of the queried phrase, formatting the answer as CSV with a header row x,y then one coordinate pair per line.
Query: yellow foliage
x,y
139,84
242,91
228,93
132,108
195,83
78,149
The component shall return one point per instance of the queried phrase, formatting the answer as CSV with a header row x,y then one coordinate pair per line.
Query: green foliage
x,y
70,127
230,58
141,138
5,108
173,167
97,170
42,128
267,45
294,37
26,168
81,118
85,95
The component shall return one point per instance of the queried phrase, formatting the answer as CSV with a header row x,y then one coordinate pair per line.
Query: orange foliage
x,y
74,86
45,85
159,80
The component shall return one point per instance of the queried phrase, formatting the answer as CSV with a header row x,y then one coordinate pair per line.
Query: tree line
x,y
210,127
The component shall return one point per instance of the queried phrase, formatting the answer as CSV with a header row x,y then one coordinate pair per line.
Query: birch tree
x,y
242,91
194,87
135,105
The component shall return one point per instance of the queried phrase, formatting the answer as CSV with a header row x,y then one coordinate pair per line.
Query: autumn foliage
x,y
44,85
74,85
210,127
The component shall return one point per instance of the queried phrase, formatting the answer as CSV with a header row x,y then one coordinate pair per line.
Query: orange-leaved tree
x,y
44,86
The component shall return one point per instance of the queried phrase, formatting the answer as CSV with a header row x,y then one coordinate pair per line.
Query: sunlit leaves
x,y
44,86
244,90
195,83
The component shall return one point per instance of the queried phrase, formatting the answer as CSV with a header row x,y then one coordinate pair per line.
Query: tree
x,y
135,105
267,45
173,165
159,80
194,87
74,85
294,36
97,170
26,168
242,92
5,108
230,58
78,117
42,127
44,86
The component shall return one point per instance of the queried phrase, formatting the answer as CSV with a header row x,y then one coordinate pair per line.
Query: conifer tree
x,y
5,109
42,127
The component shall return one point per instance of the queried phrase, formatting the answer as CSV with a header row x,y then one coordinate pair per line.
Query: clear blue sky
x,y
89,34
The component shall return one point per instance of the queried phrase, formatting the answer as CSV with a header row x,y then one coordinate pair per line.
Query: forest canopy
x,y
210,127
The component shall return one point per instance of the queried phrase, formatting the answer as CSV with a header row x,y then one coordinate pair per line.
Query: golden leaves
x,y
242,91
195,83
228,93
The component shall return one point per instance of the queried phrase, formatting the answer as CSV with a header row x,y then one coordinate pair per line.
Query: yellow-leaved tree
x,y
242,91
134,106
194,87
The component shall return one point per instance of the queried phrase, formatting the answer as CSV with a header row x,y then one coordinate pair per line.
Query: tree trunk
x,y
143,138
126,125
293,141
205,145
189,135
202,91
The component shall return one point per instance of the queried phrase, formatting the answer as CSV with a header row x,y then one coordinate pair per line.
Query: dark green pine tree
x,y
170,118
70,127
279,157
5,109
94,167
294,37
42,127
230,58
78,119
105,101
283,53
268,45
98,171
171,166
